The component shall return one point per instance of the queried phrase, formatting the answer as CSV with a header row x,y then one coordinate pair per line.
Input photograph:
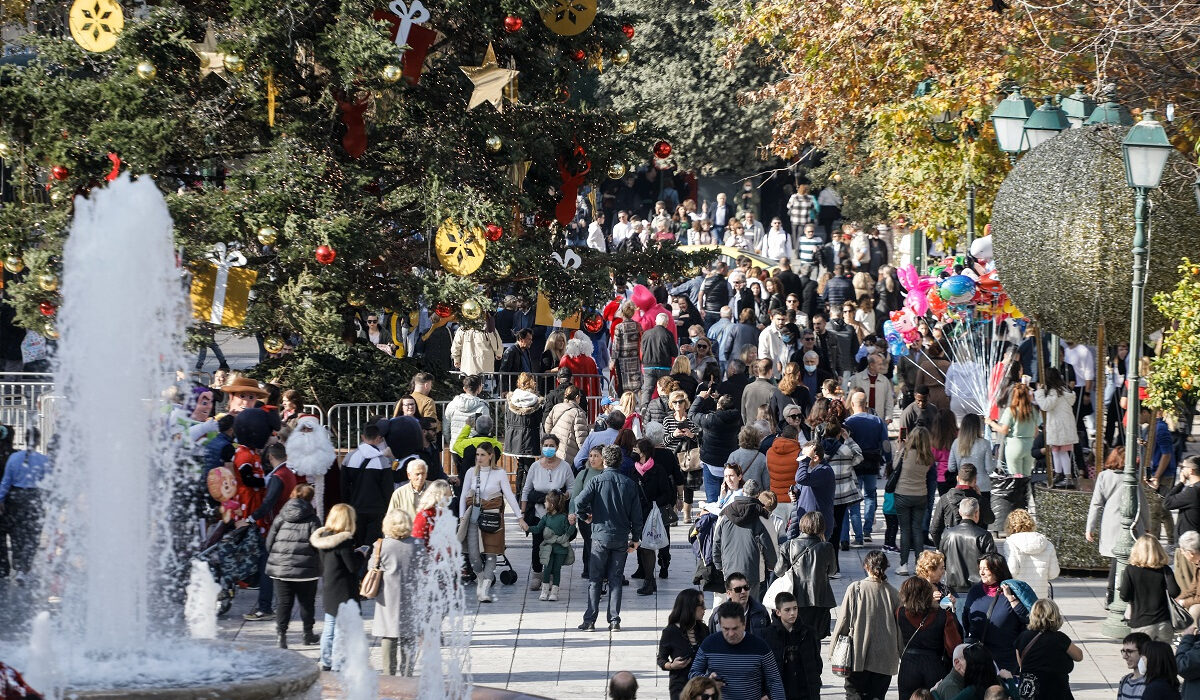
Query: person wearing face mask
x,y
549,473
812,374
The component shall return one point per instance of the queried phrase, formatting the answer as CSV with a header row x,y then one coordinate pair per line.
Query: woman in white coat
x,y
475,350
1104,515
1058,401
1030,554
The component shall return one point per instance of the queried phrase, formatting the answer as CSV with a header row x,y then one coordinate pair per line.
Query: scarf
x,y
991,591
643,467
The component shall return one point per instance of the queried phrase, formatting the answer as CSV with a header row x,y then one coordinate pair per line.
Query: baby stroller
x,y
233,558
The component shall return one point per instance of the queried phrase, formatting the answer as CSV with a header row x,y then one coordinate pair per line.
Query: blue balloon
x,y
890,333
898,348
957,289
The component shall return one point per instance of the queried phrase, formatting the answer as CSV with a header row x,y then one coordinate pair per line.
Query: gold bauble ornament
x,y
95,24
621,57
50,332
616,171
355,299
273,344
3,150
628,127
471,310
505,269
14,264
267,235
146,71
391,74
460,250
234,63
48,282
494,144
569,17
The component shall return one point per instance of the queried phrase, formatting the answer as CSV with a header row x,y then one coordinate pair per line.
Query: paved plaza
x,y
524,644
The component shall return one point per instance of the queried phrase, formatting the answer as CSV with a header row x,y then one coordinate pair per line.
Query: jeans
x,y
650,379
867,483
287,594
327,639
911,511
24,517
607,564
221,362
712,482
711,317
930,490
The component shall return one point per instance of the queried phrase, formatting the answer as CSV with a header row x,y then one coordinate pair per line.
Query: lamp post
x,y
1145,150
1078,106
1045,123
1008,119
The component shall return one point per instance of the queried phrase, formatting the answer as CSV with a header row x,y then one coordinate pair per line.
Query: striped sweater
x,y
747,668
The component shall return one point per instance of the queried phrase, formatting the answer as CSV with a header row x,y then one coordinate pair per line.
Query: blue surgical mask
x,y
549,452
810,368
786,338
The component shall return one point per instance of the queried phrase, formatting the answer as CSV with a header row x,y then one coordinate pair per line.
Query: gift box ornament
x,y
221,287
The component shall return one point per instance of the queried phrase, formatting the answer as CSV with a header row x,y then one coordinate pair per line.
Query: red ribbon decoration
x,y
565,211
355,140
116,168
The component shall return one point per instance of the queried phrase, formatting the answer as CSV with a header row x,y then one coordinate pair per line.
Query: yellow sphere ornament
x,y
267,235
14,264
616,171
459,249
146,71
505,269
391,74
48,282
234,63
273,344
471,310
628,127
494,144
95,24
621,57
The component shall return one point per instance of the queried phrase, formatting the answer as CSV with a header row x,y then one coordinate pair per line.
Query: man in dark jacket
x,y
555,395
719,421
761,391
945,514
796,648
367,485
737,590
742,541
736,381
963,545
521,357
658,354
1185,498
611,504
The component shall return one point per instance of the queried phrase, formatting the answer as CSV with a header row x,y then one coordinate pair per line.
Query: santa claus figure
x,y
649,309
578,358
311,455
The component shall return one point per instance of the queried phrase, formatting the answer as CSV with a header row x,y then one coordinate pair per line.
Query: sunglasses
x,y
677,403
808,339
372,320
708,695
739,589
1127,652
702,347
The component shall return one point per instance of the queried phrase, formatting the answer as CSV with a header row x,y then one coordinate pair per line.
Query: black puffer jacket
x,y
720,431
340,564
290,555
523,423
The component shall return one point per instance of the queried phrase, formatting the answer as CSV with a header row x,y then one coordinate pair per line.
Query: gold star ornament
x,y
489,80
211,59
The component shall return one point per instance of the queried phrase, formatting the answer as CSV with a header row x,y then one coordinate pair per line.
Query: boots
x,y
283,640
545,593
310,637
687,512
535,581
387,645
483,591
553,593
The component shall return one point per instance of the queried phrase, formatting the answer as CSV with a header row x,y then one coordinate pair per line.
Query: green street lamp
x,y
1110,112
1008,120
1145,151
1078,107
1045,123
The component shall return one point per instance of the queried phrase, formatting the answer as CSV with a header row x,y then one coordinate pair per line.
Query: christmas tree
x,y
322,157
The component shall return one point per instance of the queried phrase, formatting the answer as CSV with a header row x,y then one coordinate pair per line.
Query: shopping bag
x,y
654,532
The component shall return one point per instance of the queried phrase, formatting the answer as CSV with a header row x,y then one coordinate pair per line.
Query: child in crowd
x,y
556,534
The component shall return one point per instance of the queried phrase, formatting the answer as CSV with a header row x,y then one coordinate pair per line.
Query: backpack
x,y
632,244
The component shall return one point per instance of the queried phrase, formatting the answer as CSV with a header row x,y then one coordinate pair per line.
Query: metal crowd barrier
x,y
20,395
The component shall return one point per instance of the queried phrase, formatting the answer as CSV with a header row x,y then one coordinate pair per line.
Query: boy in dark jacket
x,y
796,650
814,487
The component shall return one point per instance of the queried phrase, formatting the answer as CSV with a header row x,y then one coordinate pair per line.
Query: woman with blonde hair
x,y
430,507
1018,424
555,348
931,566
633,419
396,556
340,564
681,372
1145,584
911,491
1031,556
1044,651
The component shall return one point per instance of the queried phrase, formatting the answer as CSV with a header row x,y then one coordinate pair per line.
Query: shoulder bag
x,y
1180,618
488,521
988,619
369,588
1027,683
841,662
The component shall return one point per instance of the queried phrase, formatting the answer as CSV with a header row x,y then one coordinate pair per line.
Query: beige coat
x,y
884,396
568,422
474,351
868,616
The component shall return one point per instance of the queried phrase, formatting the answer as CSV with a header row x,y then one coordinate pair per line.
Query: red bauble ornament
x,y
578,55
662,149
493,232
442,310
58,172
325,255
627,28
594,324
47,308
513,24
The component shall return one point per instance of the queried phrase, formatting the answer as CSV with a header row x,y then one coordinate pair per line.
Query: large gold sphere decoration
x,y
616,171
494,144
146,70
621,57
267,235
629,127
391,74
471,310
14,264
234,63
48,282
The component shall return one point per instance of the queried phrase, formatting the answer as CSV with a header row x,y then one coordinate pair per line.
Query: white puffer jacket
x,y
1032,559
1060,416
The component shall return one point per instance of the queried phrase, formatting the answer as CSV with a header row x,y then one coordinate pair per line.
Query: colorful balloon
x,y
957,289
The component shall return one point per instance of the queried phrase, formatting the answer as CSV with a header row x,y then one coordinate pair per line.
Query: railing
x,y
20,394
